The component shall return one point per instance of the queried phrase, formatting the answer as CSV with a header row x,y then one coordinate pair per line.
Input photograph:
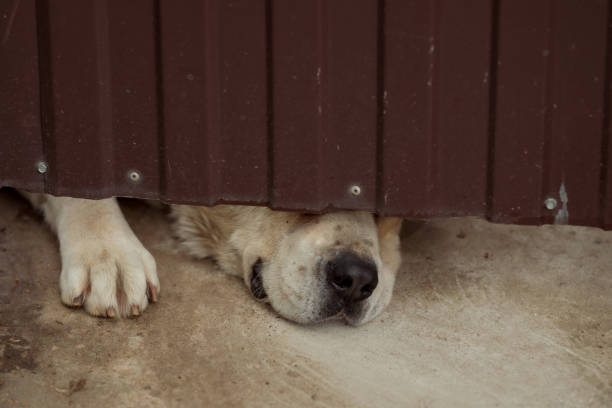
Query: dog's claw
x,y
110,312
135,310
151,292
79,300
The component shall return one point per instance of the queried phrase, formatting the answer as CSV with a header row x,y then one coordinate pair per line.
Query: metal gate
x,y
495,108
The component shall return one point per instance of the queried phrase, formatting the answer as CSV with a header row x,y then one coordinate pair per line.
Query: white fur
x,y
102,260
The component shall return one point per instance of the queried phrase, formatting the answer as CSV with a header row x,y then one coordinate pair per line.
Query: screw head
x,y
42,167
134,175
355,190
550,203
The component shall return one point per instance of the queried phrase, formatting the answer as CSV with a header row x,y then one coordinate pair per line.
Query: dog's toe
x,y
73,284
111,312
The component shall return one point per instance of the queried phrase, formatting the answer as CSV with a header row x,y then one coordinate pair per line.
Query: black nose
x,y
351,277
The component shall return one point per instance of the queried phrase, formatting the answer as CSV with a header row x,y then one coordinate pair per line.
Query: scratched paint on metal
x,y
562,216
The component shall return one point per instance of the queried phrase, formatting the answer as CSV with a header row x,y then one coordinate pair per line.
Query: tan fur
x,y
106,269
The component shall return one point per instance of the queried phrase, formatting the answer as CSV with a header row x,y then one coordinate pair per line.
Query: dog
x,y
309,268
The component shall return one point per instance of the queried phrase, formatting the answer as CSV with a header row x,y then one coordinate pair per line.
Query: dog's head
x,y
310,268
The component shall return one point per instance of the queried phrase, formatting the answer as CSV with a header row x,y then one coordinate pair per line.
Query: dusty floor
x,y
483,315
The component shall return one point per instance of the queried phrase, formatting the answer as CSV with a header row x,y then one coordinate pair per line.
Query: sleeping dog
x,y
309,268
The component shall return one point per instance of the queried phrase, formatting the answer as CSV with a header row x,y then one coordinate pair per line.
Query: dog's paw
x,y
111,276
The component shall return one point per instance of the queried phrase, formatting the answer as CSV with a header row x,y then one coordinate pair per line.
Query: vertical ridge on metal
x,y
605,188
21,146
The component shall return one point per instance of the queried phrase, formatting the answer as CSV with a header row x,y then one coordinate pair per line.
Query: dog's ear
x,y
197,230
388,225
389,241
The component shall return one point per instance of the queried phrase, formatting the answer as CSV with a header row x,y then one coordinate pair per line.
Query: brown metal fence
x,y
495,108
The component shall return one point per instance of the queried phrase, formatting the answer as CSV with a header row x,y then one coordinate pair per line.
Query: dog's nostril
x,y
367,290
342,282
352,278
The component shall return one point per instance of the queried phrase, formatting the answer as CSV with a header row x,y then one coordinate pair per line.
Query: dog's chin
x,y
352,319
352,314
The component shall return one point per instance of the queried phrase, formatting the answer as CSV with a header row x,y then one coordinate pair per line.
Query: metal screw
x,y
355,190
550,203
134,175
42,167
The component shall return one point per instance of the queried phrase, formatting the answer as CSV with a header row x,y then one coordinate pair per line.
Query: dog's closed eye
x,y
257,288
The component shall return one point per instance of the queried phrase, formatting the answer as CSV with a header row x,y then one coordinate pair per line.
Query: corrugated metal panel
x,y
324,63
551,70
98,79
432,108
436,106
214,94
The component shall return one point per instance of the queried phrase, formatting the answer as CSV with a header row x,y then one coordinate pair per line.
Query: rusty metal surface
x,y
432,108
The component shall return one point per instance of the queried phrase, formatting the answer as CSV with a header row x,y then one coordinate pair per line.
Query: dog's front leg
x,y
105,268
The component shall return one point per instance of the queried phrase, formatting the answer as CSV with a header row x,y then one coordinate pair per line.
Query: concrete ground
x,y
483,315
